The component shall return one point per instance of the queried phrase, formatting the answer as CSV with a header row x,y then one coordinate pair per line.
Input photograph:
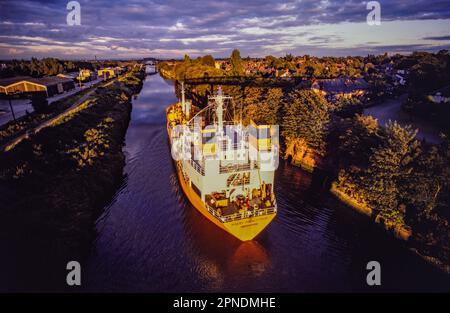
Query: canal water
x,y
150,239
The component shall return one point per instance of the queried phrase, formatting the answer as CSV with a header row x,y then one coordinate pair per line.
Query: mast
x,y
219,110
188,109
183,105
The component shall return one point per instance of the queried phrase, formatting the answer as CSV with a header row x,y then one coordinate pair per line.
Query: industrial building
x,y
51,85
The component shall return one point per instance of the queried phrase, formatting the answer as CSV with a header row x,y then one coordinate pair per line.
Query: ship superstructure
x,y
225,169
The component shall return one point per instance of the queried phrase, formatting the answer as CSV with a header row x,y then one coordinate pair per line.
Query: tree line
x,y
47,67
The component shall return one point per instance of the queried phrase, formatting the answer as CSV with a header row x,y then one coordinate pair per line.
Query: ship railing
x,y
239,216
214,213
230,168
248,214
231,146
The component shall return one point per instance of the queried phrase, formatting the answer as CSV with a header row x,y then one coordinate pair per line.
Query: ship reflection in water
x,y
151,239
219,256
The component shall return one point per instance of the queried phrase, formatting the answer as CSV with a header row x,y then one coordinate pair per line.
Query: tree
x,y
268,109
391,165
356,141
430,184
271,60
253,98
236,63
347,107
208,60
289,57
306,116
309,71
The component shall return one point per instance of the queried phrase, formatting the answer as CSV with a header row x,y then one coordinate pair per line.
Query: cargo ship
x,y
224,168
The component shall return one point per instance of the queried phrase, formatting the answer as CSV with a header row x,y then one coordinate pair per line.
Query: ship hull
x,y
244,229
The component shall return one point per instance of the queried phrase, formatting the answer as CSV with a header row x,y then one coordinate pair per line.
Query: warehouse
x,y
51,85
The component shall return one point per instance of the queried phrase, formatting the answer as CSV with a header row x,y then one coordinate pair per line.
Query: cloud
x,y
135,28
445,38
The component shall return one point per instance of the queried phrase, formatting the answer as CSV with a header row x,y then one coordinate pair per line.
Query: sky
x,y
112,29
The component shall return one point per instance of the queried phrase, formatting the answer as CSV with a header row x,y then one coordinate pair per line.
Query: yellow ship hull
x,y
243,229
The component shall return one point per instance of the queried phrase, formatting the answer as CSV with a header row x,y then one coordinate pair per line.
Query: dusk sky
x,y
172,28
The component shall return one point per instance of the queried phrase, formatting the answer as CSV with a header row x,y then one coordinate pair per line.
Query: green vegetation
x,y
252,100
429,73
268,110
51,66
383,183
405,182
236,63
347,107
306,116
39,68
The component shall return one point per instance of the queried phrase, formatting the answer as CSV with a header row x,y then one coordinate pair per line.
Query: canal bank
x,y
150,239
54,184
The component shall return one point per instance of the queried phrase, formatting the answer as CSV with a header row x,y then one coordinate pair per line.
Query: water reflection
x,y
220,257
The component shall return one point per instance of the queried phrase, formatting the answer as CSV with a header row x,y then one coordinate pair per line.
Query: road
x,y
391,110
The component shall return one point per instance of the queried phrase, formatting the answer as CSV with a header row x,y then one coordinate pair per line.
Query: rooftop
x,y
46,81
342,84
12,80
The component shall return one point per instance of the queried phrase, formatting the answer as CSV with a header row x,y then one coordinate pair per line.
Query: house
x,y
342,87
440,96
51,85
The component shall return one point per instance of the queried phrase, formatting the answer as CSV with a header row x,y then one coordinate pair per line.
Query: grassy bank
x,y
349,201
56,182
